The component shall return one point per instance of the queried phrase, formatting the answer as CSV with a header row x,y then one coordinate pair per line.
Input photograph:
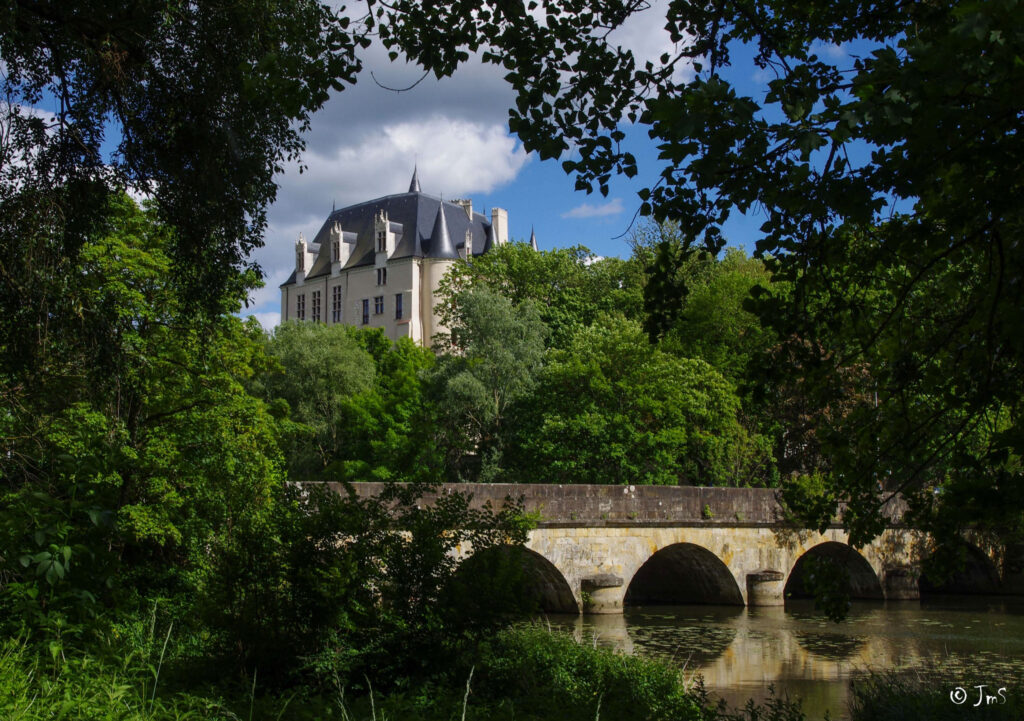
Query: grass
x,y
928,694
516,675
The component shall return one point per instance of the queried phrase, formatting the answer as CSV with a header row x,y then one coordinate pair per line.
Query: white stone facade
x,y
379,264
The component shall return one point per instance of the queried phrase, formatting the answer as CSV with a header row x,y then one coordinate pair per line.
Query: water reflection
x,y
740,652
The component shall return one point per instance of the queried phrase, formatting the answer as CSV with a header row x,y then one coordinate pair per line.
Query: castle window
x,y
336,251
316,306
378,305
336,304
382,241
398,306
366,311
382,276
300,306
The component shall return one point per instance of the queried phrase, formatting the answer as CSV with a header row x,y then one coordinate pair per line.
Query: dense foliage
x,y
355,400
202,105
570,286
598,402
156,451
612,408
165,482
884,155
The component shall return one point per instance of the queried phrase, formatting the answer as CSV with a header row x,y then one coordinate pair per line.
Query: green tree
x,y
912,139
354,400
714,323
389,426
119,483
570,286
499,350
612,408
321,368
203,105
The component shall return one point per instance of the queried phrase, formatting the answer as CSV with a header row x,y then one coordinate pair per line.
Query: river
x,y
741,651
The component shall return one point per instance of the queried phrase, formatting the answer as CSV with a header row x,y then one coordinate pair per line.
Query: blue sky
x,y
364,142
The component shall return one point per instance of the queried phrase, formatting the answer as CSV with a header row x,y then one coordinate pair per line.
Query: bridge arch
x,y
979,574
541,586
864,580
683,573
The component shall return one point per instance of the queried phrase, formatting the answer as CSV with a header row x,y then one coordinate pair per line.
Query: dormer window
x,y
336,250
382,241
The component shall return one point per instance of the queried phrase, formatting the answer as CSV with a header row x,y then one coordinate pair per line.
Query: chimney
x,y
499,222
467,205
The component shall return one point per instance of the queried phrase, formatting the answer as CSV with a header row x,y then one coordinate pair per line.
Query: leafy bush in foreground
x,y
34,687
537,672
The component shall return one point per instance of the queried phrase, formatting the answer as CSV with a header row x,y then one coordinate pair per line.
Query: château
x,y
378,264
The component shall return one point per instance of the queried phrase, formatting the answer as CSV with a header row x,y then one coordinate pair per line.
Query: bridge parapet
x,y
596,506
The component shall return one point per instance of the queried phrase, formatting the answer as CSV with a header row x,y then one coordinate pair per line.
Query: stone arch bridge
x,y
597,548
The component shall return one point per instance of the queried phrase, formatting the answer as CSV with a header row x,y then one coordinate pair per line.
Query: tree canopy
x,y
570,286
202,105
612,408
887,176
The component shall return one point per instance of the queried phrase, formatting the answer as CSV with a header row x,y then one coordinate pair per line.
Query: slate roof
x,y
414,219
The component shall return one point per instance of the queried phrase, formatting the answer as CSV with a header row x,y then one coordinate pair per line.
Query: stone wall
x,y
601,505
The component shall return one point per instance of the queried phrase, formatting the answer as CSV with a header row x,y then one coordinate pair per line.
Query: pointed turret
x,y
488,238
414,184
441,245
533,239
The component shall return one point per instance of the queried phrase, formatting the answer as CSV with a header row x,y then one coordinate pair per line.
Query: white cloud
x,y
270,293
455,156
268,320
364,142
644,35
586,210
831,50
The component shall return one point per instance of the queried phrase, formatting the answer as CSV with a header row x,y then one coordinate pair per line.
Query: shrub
x,y
547,675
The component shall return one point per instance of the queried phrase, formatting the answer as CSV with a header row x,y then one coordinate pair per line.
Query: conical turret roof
x,y
441,245
414,184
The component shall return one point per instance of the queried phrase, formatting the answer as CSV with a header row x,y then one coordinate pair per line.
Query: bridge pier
x,y
901,584
765,588
603,593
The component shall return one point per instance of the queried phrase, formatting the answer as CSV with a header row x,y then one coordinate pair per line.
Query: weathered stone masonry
x,y
596,548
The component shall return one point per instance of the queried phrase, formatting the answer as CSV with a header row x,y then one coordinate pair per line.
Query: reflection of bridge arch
x,y
683,573
863,579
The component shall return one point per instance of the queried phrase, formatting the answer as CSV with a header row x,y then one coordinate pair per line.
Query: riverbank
x,y
525,674
521,674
